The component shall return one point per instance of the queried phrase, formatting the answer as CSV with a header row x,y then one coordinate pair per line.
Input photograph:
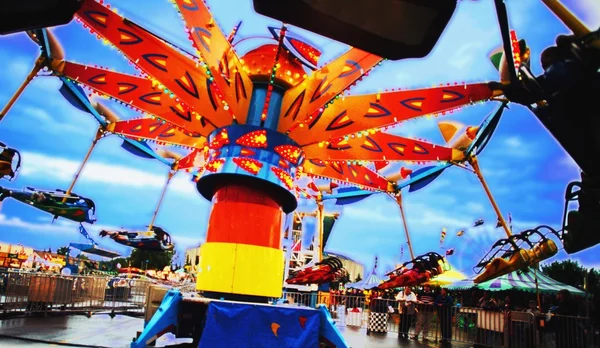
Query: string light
x,y
276,65
257,138
250,165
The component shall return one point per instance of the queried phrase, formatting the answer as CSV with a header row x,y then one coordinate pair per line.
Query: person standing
x,y
425,312
407,301
444,303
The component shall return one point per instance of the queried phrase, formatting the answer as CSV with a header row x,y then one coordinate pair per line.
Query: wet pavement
x,y
102,331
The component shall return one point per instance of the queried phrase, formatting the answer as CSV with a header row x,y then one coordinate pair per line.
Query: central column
x,y
249,177
242,254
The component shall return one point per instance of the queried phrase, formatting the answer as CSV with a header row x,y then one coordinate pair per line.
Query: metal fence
x,y
476,326
37,292
22,293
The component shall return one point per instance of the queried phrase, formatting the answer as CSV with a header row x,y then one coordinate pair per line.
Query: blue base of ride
x,y
236,324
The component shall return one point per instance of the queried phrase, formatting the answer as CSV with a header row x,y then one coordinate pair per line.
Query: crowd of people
x,y
417,308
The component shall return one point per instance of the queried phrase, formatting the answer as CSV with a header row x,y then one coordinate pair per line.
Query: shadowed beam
x,y
382,146
345,173
361,113
234,85
308,97
156,131
141,93
178,73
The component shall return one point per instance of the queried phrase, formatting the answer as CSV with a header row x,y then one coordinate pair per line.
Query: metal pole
x,y
171,174
570,20
39,63
506,42
398,198
477,170
537,290
321,216
85,159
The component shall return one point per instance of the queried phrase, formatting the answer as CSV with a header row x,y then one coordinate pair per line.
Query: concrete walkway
x,y
102,331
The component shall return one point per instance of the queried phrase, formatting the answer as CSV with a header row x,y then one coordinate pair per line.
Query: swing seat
x,y
408,278
499,266
542,251
76,208
145,240
10,161
6,169
582,232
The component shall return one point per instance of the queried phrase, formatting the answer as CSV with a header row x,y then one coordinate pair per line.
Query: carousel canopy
x,y
372,281
518,280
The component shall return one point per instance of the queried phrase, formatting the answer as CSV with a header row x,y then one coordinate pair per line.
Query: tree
x,y
145,259
358,278
112,264
567,272
62,250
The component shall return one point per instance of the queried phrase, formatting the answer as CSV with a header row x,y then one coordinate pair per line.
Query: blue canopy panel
x,y
247,325
93,249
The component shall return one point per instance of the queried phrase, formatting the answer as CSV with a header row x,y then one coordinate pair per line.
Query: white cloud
x,y
61,169
38,114
475,207
66,227
59,226
19,68
568,162
514,142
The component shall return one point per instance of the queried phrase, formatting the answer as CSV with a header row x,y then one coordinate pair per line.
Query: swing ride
x,y
466,146
155,238
58,203
262,122
318,270
10,162
330,269
424,268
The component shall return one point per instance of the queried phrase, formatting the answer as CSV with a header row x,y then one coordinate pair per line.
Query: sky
x,y
525,167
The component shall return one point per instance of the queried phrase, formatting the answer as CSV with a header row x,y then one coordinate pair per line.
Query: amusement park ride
x,y
264,121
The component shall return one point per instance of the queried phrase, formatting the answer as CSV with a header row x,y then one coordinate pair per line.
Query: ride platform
x,y
239,323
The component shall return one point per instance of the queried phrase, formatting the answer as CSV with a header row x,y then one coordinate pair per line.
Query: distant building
x,y
192,258
13,256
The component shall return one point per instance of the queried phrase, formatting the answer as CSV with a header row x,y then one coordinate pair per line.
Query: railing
x,y
476,326
22,293
37,292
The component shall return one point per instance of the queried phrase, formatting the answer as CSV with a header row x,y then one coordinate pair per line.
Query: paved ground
x,y
102,331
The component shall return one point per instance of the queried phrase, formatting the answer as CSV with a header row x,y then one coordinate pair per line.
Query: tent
x,y
520,281
372,281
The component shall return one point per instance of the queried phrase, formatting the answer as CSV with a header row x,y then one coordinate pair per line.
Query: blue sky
x,y
526,169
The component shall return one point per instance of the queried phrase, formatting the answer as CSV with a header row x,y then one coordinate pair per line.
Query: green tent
x,y
520,281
